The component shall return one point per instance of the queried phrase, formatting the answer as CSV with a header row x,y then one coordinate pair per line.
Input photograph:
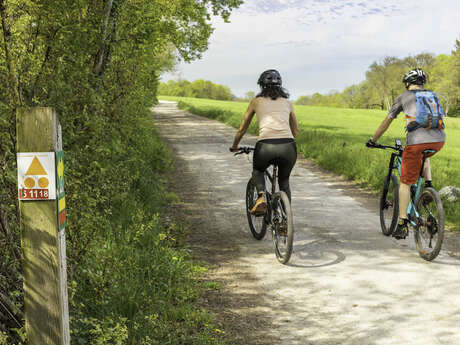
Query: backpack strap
x,y
445,111
440,121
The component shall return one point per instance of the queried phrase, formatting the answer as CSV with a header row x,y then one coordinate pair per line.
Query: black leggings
x,y
283,153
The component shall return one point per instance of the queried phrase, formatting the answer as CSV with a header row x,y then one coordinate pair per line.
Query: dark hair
x,y
273,91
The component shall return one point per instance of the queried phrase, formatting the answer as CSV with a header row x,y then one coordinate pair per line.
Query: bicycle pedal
x,y
400,236
282,230
401,233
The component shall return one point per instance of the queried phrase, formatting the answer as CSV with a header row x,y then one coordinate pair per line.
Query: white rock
x,y
451,193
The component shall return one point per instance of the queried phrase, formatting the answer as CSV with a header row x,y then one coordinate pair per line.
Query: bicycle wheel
x,y
257,224
389,205
283,227
430,230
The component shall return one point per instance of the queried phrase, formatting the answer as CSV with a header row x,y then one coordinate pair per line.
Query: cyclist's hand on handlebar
x,y
371,144
241,150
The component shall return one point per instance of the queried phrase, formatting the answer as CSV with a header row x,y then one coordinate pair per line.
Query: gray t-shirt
x,y
407,104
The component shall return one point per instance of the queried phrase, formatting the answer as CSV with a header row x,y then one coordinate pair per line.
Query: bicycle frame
x,y
269,194
424,212
272,179
395,163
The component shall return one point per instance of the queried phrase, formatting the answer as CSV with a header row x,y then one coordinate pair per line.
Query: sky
x,y
319,45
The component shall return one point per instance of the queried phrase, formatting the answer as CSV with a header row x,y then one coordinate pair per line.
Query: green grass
x,y
334,138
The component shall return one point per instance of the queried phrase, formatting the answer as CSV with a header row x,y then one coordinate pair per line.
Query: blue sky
x,y
320,45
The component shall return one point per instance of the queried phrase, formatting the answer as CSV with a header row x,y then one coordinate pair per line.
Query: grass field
x,y
334,138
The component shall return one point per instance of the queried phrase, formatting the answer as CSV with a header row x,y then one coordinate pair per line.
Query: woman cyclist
x,y
277,129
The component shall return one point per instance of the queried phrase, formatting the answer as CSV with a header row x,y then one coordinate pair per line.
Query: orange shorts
x,y
412,160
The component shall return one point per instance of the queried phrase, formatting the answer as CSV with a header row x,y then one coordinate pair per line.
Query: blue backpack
x,y
430,113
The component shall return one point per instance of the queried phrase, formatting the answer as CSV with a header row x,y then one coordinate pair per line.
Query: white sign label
x,y
36,176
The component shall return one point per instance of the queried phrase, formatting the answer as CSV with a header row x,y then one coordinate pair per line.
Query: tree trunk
x,y
102,53
8,41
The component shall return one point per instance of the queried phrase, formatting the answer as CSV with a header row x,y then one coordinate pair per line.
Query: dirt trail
x,y
346,284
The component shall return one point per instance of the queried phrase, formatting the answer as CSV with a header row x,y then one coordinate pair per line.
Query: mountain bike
x,y
278,214
425,211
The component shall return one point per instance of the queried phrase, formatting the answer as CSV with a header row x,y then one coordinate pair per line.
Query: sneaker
x,y
401,230
260,206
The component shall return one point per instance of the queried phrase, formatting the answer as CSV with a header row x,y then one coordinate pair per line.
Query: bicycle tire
x,y
431,224
257,224
281,203
389,205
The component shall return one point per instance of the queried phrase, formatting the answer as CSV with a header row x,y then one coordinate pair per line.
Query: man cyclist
x,y
277,129
418,139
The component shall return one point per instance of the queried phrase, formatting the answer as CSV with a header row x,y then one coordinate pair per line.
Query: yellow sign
x,y
36,168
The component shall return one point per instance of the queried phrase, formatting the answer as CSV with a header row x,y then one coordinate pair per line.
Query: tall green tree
x,y
454,73
97,63
385,79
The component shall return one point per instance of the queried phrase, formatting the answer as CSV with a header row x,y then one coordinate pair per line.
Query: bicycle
x,y
425,211
278,213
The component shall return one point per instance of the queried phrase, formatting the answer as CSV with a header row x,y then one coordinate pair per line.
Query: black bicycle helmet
x,y
415,76
269,78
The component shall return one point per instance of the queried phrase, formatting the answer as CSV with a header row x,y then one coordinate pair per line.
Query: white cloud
x,y
319,45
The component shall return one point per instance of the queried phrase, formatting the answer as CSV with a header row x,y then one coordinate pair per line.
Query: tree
x,y
455,77
350,95
386,79
97,63
199,88
249,95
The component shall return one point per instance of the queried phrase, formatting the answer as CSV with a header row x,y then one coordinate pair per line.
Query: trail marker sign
x,y
36,176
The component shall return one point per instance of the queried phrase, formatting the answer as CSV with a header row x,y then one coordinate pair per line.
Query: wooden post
x,y
43,245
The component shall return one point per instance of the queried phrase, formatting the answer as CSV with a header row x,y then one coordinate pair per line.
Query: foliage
x,y
383,83
137,283
97,63
334,138
246,98
198,89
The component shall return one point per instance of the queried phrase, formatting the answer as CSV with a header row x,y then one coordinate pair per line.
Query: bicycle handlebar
x,y
397,147
244,149
383,147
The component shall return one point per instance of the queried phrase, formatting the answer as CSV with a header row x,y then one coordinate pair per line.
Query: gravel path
x,y
346,283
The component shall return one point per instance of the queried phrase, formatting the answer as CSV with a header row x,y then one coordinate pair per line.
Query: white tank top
x,y
273,118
